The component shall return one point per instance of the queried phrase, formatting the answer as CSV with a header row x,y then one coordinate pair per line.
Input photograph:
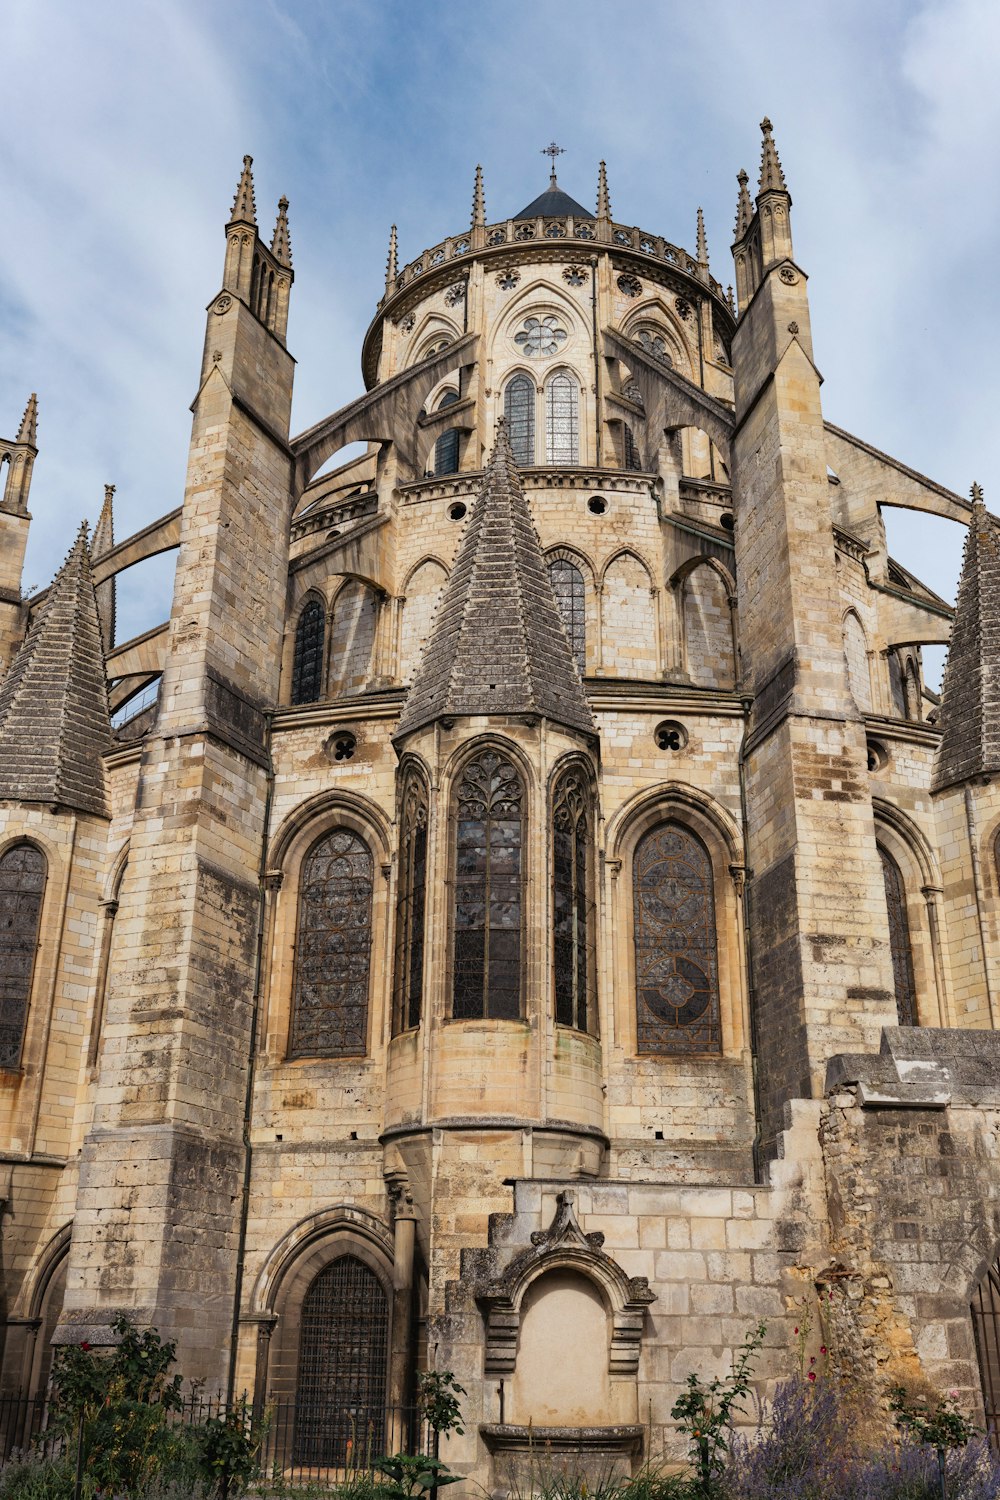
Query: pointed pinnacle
x,y
244,207
772,178
702,240
744,207
731,300
976,495
281,244
603,196
28,430
391,265
478,201
104,531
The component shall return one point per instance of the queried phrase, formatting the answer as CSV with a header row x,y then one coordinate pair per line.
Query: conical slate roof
x,y
970,696
498,645
554,204
54,722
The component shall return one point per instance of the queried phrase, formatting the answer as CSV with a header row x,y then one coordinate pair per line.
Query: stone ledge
x,y
922,1068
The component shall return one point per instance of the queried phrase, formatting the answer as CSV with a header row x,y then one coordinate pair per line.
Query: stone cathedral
x,y
524,913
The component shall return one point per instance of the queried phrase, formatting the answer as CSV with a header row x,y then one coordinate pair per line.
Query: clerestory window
x,y
307,660
519,414
574,967
562,420
332,949
489,838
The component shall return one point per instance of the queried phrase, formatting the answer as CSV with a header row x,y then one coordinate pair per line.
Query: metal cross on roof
x,y
553,150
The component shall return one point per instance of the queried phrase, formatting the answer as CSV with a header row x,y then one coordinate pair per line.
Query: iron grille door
x,y
343,1354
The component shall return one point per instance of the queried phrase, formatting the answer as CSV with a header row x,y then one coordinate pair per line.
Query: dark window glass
x,y
408,976
343,1354
561,420
307,663
631,451
332,946
22,882
567,585
488,840
676,963
899,941
519,414
446,447
986,1325
572,903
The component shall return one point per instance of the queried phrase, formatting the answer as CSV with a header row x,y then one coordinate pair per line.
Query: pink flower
x,y
822,1348
85,1347
812,1359
812,1374
795,1330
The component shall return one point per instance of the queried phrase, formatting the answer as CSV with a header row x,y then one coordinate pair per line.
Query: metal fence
x,y
295,1442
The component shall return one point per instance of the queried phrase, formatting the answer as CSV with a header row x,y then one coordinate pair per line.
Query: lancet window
x,y
574,967
519,414
332,948
562,420
307,661
489,838
567,585
899,940
408,974
22,885
676,956
446,447
343,1359
632,460
986,1325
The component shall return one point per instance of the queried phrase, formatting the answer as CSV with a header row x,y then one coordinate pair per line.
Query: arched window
x,y
489,831
307,662
343,1358
22,883
561,420
574,967
899,940
519,414
446,447
632,460
408,974
986,1326
567,585
676,962
332,946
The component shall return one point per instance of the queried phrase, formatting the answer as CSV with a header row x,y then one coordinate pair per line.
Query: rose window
x,y
540,336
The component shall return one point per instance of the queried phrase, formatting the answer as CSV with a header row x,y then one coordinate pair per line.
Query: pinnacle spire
x,y
28,430
478,201
498,645
603,196
970,693
702,240
391,265
731,300
281,245
103,540
744,207
772,178
54,724
244,206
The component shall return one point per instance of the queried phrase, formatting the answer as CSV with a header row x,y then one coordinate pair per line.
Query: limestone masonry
x,y
524,913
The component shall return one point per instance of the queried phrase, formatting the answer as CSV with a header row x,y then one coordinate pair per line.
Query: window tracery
x,y
568,587
22,885
489,818
653,343
562,420
676,962
307,661
332,949
519,414
540,336
899,940
574,969
408,974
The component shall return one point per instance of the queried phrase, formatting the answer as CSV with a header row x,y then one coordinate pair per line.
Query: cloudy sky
x,y
123,124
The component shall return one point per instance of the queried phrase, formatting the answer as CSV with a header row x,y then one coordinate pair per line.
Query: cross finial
x,y
552,151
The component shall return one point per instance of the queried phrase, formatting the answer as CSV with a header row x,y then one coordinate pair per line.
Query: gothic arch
x,y
856,654
312,596
655,311
573,820
421,600
353,634
911,854
565,552
542,299
630,638
304,1237
434,325
40,1302
708,637
24,879
109,905
616,556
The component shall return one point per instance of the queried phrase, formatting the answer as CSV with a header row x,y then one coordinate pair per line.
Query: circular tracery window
x,y
540,336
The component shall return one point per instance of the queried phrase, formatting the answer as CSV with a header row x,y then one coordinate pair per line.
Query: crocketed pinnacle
x,y
392,260
28,430
744,207
54,722
498,645
102,541
772,178
603,196
731,300
702,240
970,695
478,201
244,207
281,244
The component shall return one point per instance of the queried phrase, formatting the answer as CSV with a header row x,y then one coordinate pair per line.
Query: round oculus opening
x,y
597,505
670,736
457,511
342,745
727,521
878,756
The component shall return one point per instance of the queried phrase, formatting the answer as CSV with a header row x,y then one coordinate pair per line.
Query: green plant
x,y
705,1413
412,1475
227,1449
437,1395
26,1477
936,1422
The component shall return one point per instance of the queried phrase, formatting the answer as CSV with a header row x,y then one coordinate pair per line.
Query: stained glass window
x,y
631,451
540,336
332,946
653,343
446,447
519,414
676,963
567,585
488,841
408,975
561,420
986,1326
899,941
573,903
307,662
340,1393
22,884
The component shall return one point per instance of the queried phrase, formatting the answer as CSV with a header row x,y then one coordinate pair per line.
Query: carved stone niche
x,y
564,1246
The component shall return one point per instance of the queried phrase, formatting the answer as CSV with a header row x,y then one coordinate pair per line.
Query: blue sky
x,y
122,128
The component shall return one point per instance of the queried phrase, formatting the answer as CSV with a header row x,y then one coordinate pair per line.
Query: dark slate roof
x,y
970,694
54,721
554,204
498,645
